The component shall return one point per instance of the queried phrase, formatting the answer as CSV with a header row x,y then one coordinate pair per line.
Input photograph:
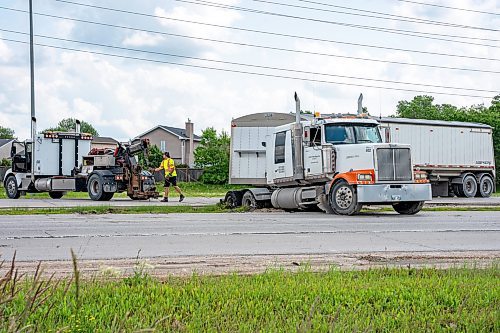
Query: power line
x,y
248,65
426,35
375,12
448,7
389,18
247,72
262,32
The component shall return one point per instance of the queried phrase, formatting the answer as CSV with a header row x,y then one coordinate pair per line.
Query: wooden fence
x,y
183,175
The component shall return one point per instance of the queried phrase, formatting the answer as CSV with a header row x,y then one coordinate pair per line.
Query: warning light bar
x,y
63,135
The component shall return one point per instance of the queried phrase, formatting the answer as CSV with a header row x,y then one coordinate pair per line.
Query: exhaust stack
x,y
298,169
360,104
77,126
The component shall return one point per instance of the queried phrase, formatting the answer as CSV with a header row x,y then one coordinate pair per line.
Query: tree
x,y
154,159
213,156
422,107
6,133
69,125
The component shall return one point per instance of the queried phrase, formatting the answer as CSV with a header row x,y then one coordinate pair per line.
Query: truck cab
x,y
347,155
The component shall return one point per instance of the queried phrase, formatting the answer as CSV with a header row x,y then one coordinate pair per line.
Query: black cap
x,y
166,154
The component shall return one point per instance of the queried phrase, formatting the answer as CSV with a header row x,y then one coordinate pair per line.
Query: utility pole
x,y
33,119
32,66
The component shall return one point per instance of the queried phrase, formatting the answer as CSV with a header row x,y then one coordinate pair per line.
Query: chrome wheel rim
x,y
11,187
344,197
94,187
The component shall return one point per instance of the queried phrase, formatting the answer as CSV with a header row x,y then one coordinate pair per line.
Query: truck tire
x,y
56,195
107,196
344,199
11,188
408,208
486,186
96,192
233,199
469,186
248,200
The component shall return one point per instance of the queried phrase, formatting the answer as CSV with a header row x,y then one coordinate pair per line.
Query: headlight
x,y
365,177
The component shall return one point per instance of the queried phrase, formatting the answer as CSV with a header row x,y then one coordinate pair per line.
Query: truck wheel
x,y
457,190
486,186
11,188
344,200
248,200
469,186
408,208
233,199
96,192
107,196
56,195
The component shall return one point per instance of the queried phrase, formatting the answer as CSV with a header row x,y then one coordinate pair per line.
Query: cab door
x,y
281,160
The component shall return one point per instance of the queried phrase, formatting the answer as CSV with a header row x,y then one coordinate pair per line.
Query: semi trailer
x,y
458,157
59,162
337,164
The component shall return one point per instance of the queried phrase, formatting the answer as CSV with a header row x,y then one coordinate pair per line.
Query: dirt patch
x,y
219,265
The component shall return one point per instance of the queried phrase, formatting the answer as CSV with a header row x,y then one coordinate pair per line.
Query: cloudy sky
x,y
214,60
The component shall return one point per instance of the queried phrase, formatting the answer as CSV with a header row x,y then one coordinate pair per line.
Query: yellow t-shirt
x,y
167,164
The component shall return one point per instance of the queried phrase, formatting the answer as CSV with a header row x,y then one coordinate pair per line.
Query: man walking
x,y
168,165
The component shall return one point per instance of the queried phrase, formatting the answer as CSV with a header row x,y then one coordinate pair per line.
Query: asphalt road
x,y
50,237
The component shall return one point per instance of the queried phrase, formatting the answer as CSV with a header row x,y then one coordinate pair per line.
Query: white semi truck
x,y
458,157
336,164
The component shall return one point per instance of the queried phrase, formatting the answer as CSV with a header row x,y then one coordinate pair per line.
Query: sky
x,y
153,76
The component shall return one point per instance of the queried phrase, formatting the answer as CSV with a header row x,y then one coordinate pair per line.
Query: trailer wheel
x,y
56,195
344,199
96,192
248,200
486,186
233,199
11,188
469,186
408,208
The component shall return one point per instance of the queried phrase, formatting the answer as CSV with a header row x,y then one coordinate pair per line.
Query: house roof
x,y
4,142
104,139
180,132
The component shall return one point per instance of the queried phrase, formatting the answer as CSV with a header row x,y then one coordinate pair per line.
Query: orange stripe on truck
x,y
352,177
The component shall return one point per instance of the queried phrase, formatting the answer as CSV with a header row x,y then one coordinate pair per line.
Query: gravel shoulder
x,y
254,264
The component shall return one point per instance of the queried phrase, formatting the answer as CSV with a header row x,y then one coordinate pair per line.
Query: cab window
x,y
279,147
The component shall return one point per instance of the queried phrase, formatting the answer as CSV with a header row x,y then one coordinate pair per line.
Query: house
x,y
180,142
5,145
103,142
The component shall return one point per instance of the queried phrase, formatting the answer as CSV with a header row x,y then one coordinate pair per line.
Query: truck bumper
x,y
391,193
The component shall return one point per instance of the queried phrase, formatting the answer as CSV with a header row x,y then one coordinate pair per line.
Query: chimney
x,y
190,146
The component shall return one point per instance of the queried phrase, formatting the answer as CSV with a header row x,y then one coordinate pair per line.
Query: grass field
x,y
381,300
193,189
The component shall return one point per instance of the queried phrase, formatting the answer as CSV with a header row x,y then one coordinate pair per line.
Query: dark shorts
x,y
170,180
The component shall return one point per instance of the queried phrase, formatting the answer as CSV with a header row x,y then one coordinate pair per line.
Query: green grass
x,y
192,189
380,300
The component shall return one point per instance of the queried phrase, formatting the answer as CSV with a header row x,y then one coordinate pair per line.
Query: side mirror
x,y
13,150
307,135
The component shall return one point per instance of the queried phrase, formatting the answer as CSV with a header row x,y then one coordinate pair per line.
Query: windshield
x,y
349,134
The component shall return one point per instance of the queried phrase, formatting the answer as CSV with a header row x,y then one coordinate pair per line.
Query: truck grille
x,y
394,164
